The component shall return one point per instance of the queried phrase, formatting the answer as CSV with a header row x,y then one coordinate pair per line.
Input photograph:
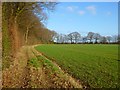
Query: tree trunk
x,y
26,36
76,40
71,40
13,28
90,40
96,40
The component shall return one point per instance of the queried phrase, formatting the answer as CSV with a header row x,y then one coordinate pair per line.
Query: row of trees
x,y
23,24
91,37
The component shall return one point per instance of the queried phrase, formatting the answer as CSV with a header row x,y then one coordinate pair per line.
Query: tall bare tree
x,y
96,36
76,36
70,37
109,38
103,39
90,36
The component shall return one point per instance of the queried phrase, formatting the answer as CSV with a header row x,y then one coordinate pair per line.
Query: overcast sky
x,y
99,17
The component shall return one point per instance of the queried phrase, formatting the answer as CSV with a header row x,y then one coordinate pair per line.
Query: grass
x,y
34,62
48,64
96,65
41,61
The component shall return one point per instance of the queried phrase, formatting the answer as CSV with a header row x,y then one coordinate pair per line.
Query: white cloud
x,y
91,9
69,8
72,8
109,13
81,12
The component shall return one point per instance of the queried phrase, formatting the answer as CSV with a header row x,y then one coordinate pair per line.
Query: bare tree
x,y
96,36
84,39
76,36
66,39
70,37
56,37
90,36
115,38
109,38
103,39
62,38
53,35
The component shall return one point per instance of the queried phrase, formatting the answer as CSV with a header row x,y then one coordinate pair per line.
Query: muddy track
x,y
23,75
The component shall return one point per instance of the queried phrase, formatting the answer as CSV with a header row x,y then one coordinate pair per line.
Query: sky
x,y
84,17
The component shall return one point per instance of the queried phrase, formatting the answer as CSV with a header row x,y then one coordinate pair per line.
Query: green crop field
x,y
96,65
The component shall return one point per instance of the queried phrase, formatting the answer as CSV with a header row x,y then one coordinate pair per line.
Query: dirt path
x,y
15,75
31,69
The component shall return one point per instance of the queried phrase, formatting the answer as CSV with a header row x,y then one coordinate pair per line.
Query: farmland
x,y
96,65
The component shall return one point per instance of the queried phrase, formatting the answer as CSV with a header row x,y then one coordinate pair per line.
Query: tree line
x,y
23,24
91,37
